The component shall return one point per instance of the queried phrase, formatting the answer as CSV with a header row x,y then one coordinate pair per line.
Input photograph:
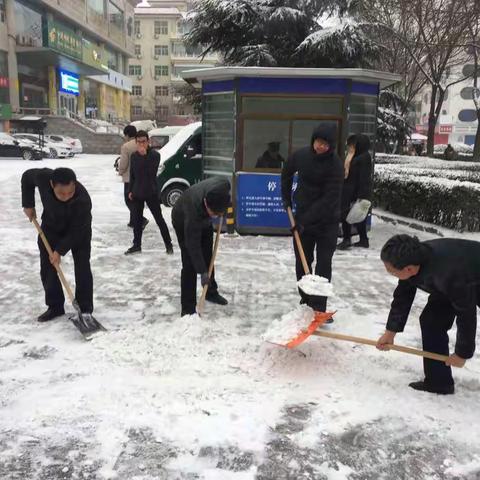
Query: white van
x,y
159,137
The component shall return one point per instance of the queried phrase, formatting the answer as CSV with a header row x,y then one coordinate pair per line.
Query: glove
x,y
298,228
205,279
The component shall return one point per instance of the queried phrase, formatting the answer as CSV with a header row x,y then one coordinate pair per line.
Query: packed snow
x,y
169,398
315,285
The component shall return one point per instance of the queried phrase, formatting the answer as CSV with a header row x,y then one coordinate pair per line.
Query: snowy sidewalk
x,y
160,397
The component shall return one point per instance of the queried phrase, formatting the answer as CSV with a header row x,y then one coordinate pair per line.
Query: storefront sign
x,y
62,39
69,82
94,55
446,129
5,111
259,201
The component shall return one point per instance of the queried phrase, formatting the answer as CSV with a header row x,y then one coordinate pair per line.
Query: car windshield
x,y
172,147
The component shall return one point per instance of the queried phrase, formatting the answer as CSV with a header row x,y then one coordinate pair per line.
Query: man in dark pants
x,y
67,224
449,270
192,219
126,151
317,199
144,190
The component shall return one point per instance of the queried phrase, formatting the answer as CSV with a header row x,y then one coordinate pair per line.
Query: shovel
x,y
86,323
320,317
201,303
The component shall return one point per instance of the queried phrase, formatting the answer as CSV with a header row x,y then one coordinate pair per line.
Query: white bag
x,y
359,211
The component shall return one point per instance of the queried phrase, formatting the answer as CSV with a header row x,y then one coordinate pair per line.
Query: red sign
x,y
3,82
446,129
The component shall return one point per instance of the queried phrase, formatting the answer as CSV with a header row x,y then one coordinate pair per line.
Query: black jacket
x,y
189,213
143,174
452,271
358,184
267,161
72,220
320,180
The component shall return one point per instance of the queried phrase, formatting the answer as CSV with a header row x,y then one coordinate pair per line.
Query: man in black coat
x,y
67,224
449,270
357,186
192,217
271,157
317,199
144,190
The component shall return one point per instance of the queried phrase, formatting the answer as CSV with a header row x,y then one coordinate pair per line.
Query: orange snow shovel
x,y
320,317
201,303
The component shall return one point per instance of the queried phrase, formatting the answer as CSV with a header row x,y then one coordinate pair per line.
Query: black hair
x,y
403,250
218,201
141,133
130,131
63,176
352,140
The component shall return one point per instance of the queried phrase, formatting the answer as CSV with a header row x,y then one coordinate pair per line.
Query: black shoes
x,y
216,298
133,250
362,243
169,249
50,314
344,245
424,387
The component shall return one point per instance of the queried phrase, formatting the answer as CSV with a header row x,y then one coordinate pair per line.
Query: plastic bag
x,y
359,211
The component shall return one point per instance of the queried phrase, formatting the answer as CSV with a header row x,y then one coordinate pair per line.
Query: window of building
x,y
161,112
467,93
4,93
28,23
96,9
161,70
137,90
161,91
135,70
2,11
137,110
161,50
183,27
161,27
116,20
136,27
112,60
467,115
138,49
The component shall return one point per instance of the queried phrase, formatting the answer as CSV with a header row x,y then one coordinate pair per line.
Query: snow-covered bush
x,y
458,147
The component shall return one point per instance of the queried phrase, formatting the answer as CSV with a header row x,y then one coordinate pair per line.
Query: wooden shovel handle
x,y
367,341
298,242
201,303
57,267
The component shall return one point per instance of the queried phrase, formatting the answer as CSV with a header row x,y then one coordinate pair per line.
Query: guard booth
x,y
254,118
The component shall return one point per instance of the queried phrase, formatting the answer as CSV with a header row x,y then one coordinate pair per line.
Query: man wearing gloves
x,y
449,270
192,220
318,200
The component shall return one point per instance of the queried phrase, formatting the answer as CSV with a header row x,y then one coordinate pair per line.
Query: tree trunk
x,y
476,148
432,122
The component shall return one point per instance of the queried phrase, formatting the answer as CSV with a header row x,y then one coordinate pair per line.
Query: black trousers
x,y
54,296
128,202
323,241
188,279
361,229
153,203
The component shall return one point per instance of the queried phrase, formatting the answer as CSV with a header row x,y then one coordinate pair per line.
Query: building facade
x,y
160,57
67,57
458,120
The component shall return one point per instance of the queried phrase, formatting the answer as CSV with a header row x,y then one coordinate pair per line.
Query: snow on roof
x,y
157,11
171,148
31,118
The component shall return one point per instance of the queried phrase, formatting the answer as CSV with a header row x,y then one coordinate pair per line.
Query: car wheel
x,y
172,193
53,153
27,155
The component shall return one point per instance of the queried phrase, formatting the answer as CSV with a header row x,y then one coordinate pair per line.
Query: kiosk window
x,y
302,131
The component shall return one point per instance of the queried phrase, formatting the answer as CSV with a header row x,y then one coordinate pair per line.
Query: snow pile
x,y
289,326
315,285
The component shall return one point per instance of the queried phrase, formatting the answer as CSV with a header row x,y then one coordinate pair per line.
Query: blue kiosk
x,y
255,117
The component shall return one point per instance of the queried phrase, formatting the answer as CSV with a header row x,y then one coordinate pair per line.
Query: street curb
x,y
395,220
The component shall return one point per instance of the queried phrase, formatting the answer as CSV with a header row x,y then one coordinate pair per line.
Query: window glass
x,y
292,105
116,21
28,25
302,131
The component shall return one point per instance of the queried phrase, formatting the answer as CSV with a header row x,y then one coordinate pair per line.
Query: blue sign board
x,y
69,82
259,201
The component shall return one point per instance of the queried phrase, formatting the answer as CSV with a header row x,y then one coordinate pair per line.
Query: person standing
x,y
143,189
126,151
317,199
449,270
192,217
271,157
67,224
357,186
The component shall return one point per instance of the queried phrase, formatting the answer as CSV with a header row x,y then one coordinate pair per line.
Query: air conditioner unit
x,y
156,57
156,77
139,35
139,77
139,55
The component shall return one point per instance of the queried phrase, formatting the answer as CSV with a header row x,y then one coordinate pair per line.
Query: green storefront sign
x,y
94,55
5,111
62,39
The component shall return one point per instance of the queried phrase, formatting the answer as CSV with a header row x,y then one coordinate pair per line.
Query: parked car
x,y
75,143
159,137
146,125
50,149
180,163
10,147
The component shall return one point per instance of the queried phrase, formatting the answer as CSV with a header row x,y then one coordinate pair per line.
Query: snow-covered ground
x,y
160,397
